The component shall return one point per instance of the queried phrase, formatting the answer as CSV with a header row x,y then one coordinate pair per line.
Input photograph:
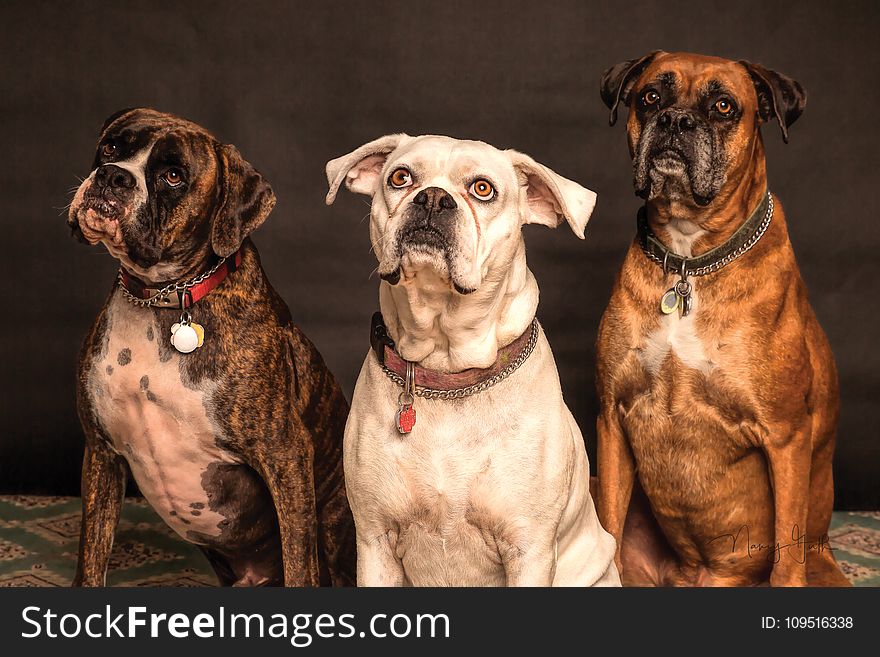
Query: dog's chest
x,y
449,490
689,408
161,426
679,338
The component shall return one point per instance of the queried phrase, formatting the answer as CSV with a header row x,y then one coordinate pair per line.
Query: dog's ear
x,y
551,199
116,115
778,96
361,168
246,199
618,81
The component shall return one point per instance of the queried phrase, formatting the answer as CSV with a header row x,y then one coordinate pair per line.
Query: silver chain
x,y
730,257
159,297
467,391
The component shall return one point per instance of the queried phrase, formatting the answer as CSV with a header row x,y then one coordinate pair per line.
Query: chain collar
x,y
381,342
181,294
745,237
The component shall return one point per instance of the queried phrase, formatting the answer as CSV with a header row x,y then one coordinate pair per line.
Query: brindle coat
x,y
237,444
716,431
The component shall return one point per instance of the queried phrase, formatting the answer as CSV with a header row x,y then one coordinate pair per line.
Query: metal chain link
x,y
467,391
158,298
730,257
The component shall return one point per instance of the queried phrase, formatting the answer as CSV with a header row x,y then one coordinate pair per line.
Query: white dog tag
x,y
186,335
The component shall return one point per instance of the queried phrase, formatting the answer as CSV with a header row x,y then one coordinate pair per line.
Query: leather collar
x,y
179,295
390,360
745,237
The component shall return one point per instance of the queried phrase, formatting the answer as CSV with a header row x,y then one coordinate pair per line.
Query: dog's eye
x,y
108,149
724,107
482,189
400,178
651,97
173,177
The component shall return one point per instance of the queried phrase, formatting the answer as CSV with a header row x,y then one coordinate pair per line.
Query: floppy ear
x,y
778,96
618,81
246,199
116,115
550,198
361,168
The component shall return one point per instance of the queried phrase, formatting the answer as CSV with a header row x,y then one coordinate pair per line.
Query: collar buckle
x,y
379,338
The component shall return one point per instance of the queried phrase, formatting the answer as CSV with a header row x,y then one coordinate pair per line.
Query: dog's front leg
x,y
531,566
103,488
377,565
289,474
790,476
616,472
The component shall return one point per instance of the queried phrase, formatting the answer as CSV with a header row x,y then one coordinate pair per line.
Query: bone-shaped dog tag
x,y
406,418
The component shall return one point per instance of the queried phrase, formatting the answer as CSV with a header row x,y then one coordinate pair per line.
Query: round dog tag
x,y
185,339
669,302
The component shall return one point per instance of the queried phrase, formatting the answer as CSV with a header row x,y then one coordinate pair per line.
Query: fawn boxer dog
x,y
194,374
717,387
464,465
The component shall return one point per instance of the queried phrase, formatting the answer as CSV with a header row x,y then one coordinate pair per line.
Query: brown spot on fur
x,y
124,357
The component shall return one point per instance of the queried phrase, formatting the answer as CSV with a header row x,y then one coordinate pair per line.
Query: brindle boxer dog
x,y
236,444
717,420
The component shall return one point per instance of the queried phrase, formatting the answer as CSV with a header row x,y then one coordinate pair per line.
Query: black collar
x,y
745,237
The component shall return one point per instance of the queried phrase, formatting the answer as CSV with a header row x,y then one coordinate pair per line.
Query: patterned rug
x,y
39,537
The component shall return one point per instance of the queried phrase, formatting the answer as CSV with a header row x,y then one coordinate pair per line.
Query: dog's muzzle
x,y
105,202
429,221
677,145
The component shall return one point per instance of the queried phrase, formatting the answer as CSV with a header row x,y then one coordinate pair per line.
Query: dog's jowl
x,y
717,387
464,465
194,377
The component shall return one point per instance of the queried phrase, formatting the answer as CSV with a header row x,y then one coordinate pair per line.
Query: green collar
x,y
745,237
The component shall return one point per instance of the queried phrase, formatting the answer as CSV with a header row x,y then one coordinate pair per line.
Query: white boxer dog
x,y
463,465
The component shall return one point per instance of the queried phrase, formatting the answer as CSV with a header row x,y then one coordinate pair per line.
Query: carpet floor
x,y
39,537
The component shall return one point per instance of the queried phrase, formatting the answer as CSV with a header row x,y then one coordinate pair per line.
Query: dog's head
x,y
164,194
694,120
454,205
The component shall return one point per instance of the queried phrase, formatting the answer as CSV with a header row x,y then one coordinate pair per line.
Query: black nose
x,y
114,177
676,120
435,199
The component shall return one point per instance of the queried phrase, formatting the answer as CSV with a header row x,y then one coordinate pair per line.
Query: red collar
x,y
383,347
180,295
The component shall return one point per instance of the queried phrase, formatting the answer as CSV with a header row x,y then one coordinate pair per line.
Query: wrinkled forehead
x,y
692,76
436,155
147,129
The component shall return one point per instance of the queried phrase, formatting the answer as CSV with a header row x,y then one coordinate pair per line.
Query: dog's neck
x,y
691,230
443,330
194,264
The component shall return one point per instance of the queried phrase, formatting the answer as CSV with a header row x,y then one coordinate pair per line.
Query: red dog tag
x,y
406,418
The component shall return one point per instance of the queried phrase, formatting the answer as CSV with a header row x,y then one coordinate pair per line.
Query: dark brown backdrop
x,y
294,84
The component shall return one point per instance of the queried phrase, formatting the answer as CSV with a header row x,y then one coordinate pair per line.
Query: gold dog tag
x,y
669,302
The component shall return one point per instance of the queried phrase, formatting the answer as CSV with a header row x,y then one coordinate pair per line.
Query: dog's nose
x,y
676,120
434,199
114,177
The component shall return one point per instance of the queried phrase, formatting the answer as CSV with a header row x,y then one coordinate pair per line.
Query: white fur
x,y
136,165
169,441
492,489
682,236
677,335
